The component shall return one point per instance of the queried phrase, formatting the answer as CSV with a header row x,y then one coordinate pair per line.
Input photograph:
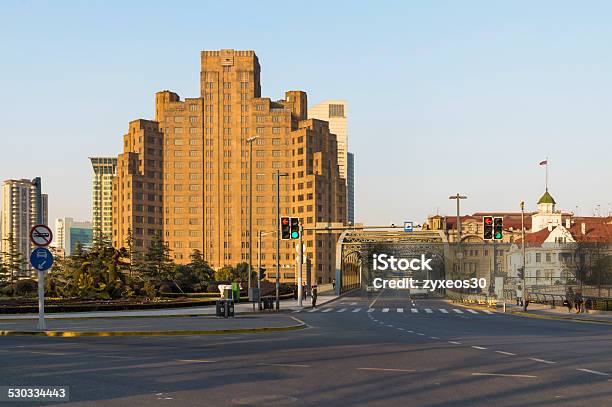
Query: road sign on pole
x,y
41,259
41,235
408,226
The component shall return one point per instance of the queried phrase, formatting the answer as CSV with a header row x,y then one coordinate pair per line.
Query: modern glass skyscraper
x,y
105,169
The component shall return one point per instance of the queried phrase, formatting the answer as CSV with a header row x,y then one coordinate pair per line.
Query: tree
x,y
242,272
225,273
16,265
157,265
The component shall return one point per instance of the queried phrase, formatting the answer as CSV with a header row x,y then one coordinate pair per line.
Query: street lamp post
x,y
524,279
250,142
278,175
259,235
458,197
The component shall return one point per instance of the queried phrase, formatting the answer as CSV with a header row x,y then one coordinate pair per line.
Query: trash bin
x,y
220,308
229,309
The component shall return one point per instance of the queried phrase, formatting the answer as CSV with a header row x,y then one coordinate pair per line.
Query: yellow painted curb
x,y
156,333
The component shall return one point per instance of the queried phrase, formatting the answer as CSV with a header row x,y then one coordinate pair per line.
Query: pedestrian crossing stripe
x,y
398,310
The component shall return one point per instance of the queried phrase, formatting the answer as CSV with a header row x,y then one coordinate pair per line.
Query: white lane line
x,y
390,326
455,342
313,310
541,360
401,329
472,311
419,333
356,310
114,357
505,375
444,311
380,369
433,337
594,372
328,310
486,311
414,310
458,311
428,310
196,361
385,310
341,310
46,353
297,310
505,353
353,303
478,347
370,309
400,310
281,365
410,332
375,299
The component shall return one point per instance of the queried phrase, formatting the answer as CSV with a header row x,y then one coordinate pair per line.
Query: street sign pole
x,y
41,301
41,259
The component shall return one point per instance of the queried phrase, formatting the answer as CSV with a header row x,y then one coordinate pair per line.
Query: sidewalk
x,y
559,312
208,310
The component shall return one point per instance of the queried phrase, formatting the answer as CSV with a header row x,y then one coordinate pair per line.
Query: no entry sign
x,y
41,235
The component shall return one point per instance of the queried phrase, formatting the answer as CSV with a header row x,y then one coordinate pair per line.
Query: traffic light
x,y
285,228
487,232
262,273
295,228
498,228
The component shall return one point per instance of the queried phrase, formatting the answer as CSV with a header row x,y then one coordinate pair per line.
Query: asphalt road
x,y
350,356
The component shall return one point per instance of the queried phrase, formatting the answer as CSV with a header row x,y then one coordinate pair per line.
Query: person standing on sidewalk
x,y
578,302
314,296
569,299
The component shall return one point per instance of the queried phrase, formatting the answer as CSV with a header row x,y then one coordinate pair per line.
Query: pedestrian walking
x,y
314,296
569,299
578,302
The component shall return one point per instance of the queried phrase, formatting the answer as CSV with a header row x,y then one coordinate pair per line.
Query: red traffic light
x,y
488,220
284,221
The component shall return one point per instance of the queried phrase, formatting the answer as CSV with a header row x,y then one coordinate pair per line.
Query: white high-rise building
x,y
105,169
23,206
335,113
69,233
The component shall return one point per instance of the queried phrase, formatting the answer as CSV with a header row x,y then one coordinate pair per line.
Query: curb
x,y
301,325
50,317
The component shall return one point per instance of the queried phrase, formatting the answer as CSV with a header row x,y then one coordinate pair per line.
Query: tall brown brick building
x,y
192,164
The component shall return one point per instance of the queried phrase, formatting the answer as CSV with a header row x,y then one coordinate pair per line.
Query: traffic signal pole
x,y
523,255
300,257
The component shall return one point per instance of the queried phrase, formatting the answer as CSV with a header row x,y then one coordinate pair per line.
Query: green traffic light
x,y
295,235
498,235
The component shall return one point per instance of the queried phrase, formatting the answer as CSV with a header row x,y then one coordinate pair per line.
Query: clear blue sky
x,y
444,96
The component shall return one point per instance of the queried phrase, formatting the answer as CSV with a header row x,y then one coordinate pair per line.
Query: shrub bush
x,y
25,287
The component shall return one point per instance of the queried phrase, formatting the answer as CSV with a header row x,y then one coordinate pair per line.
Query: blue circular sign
x,y
41,259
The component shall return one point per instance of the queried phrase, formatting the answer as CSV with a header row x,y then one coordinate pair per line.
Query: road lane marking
x,y
328,310
400,310
541,360
478,347
385,310
458,311
444,311
375,299
196,361
428,310
297,310
455,342
313,310
370,309
594,372
341,310
380,369
414,310
401,329
486,311
390,326
419,333
353,303
505,375
46,353
281,365
114,357
472,311
505,353
433,337
357,310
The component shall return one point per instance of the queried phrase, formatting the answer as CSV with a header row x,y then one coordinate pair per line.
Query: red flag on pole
x,y
545,162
